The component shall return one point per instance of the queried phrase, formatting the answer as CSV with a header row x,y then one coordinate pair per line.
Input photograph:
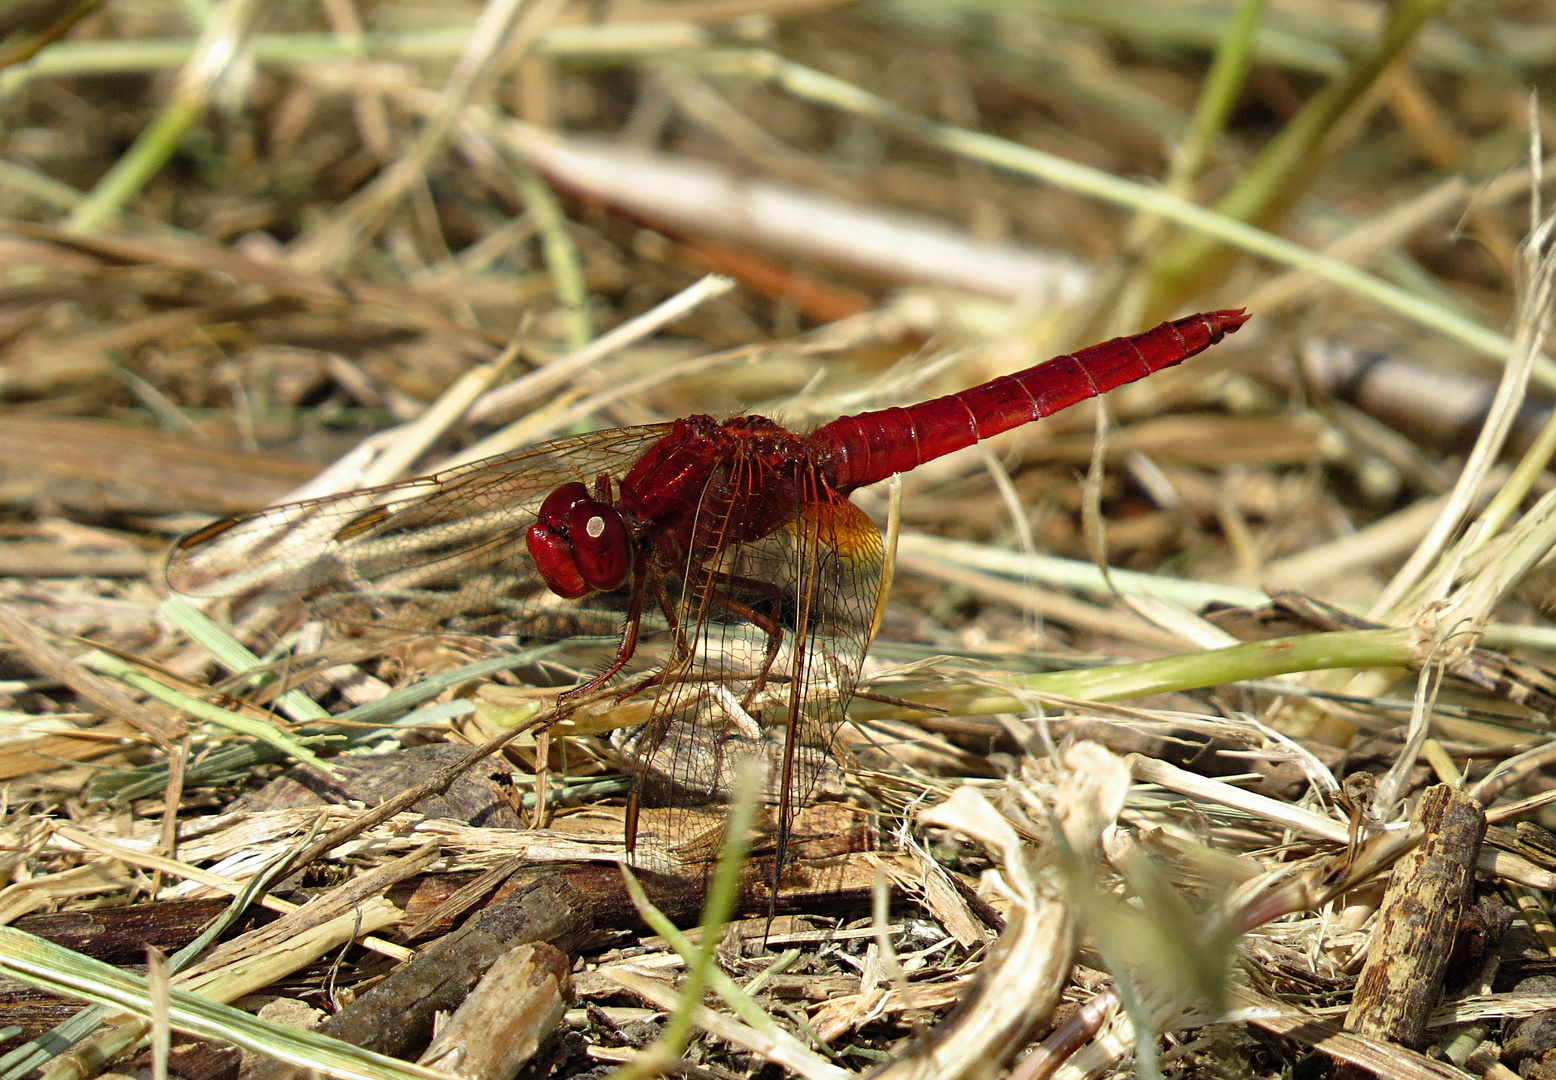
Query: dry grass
x,y
257,251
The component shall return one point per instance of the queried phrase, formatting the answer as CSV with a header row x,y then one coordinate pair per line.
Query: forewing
x,y
412,555
817,580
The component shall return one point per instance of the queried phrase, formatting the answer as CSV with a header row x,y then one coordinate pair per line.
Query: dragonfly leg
x,y
627,647
683,651
666,605
768,624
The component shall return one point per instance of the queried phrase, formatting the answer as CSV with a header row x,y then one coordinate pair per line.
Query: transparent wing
x,y
750,648
442,551
773,632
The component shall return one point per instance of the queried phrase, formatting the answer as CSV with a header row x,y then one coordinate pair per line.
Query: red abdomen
x,y
857,450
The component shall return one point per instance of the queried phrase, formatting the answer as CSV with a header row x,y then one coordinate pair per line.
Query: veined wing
x,y
742,692
406,555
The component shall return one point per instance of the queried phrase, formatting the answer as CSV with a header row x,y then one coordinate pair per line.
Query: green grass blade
x,y
51,967
1286,168
233,655
282,740
1189,671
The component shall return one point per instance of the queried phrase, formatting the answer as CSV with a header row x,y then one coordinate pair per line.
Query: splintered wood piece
x,y
442,916
561,907
1401,981
933,885
502,1023
395,1017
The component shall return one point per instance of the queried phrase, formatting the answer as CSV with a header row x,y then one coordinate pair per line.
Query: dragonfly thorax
x,y
580,544
707,484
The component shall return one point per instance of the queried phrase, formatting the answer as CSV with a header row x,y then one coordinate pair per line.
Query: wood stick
x,y
1401,981
395,1017
500,1026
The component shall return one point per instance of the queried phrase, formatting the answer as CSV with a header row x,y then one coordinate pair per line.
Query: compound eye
x,y
553,557
602,546
553,512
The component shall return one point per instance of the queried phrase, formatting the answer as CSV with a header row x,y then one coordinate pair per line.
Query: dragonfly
x,y
740,583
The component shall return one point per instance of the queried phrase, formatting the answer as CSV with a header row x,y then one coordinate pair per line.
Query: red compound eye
x,y
580,544
553,512
602,547
553,557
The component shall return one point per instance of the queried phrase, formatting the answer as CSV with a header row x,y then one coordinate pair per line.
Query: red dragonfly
x,y
732,546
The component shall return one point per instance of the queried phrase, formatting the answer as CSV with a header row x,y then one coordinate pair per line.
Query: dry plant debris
x,y
1185,815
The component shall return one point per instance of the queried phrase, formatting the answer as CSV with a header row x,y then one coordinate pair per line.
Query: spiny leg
x,y
683,651
684,655
765,623
786,793
628,645
679,664
666,605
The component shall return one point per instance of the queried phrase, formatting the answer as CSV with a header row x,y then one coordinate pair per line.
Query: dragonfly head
x,y
580,544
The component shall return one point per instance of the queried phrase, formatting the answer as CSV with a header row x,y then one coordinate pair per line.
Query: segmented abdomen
x,y
857,450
